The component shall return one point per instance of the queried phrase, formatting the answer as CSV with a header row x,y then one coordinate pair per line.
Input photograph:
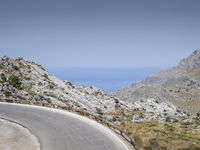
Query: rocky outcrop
x,y
152,109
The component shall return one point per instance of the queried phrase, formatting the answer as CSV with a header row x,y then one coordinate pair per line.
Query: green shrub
x,y
99,111
7,93
9,100
116,101
16,68
3,78
46,76
15,81
71,85
198,115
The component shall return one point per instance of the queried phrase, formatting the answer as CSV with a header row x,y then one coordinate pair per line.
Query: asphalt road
x,y
59,130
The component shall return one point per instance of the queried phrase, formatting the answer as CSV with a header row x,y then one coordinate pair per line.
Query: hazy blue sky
x,y
100,33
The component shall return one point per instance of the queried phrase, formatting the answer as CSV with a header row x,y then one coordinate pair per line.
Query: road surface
x,y
59,130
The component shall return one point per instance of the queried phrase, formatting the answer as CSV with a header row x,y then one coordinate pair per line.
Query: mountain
x,y
23,81
179,85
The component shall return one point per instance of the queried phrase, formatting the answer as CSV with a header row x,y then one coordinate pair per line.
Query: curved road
x,y
59,130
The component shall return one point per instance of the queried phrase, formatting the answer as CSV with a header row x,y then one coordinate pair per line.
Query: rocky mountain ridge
x,y
179,85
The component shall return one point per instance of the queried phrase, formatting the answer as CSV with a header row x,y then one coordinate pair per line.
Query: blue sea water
x,y
108,80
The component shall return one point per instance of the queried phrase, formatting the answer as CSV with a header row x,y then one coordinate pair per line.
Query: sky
x,y
100,33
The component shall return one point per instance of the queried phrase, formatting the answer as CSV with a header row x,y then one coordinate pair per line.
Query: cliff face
x,y
179,85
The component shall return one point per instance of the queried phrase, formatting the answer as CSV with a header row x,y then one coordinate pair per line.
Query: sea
x,y
107,79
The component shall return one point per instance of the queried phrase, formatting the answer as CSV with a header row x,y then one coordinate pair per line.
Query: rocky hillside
x,y
26,80
179,85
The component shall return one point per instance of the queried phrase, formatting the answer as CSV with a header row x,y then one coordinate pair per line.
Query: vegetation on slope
x,y
154,135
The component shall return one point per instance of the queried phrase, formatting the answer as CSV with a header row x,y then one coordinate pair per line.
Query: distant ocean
x,y
108,80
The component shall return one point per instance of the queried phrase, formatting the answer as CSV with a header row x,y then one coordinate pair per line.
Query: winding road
x,y
60,130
